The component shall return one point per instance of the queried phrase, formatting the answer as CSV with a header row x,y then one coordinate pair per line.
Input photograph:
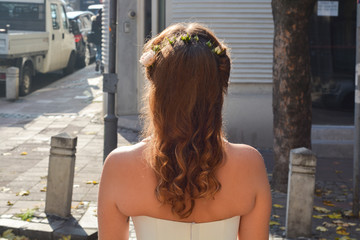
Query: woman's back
x,y
128,184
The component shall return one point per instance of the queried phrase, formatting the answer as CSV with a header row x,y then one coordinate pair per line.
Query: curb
x,y
54,228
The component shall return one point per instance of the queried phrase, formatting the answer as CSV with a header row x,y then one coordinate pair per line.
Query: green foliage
x,y
8,234
26,216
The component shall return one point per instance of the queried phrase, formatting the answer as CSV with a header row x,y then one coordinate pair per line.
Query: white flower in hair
x,y
148,58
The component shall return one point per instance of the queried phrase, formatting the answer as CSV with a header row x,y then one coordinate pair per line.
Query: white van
x,y
35,36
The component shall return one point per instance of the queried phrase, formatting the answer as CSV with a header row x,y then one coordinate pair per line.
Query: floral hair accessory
x,y
171,41
156,48
217,50
186,38
148,58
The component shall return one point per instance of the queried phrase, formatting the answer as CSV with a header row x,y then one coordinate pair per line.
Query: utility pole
x,y
110,80
357,119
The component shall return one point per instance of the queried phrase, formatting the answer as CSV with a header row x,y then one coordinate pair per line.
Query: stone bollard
x,y
300,195
60,175
12,83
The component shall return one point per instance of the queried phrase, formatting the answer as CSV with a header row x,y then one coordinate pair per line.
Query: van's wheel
x,y
25,81
70,68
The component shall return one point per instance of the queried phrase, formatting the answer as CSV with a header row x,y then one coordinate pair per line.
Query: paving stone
x,y
11,224
37,231
89,219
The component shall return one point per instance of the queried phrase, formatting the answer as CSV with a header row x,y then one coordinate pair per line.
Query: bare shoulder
x,y
242,153
124,158
248,161
124,153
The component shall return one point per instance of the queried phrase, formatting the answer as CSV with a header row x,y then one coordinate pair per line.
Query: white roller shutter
x,y
245,26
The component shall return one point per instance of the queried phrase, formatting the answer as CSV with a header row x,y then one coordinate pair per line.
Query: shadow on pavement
x,y
63,96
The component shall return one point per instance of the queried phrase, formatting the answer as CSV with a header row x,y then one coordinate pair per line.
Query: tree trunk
x,y
291,84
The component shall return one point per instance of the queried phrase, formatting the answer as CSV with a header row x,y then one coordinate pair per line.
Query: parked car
x,y
95,8
80,22
339,94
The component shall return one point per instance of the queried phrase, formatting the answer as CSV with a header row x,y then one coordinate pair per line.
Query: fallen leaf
x,y
23,153
328,203
321,210
317,216
9,203
342,231
348,213
43,189
90,133
328,192
8,234
278,206
23,193
321,229
79,205
357,229
272,223
4,189
334,216
345,238
66,237
338,222
282,228
275,216
92,182
352,224
318,192
327,224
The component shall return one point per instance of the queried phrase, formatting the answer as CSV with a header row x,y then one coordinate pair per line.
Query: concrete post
x,y
300,196
12,83
60,175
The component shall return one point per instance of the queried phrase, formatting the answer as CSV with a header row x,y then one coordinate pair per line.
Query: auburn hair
x,y
183,114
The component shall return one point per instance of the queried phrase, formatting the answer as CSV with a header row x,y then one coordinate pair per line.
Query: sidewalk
x,y
74,105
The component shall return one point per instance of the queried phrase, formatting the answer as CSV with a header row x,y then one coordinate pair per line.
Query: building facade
x,y
247,28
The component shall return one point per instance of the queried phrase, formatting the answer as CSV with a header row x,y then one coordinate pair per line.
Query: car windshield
x,y
22,16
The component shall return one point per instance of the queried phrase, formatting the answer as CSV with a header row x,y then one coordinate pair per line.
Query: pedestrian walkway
x,y
74,105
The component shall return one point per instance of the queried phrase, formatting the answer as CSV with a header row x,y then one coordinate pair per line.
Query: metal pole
x,y
357,120
110,85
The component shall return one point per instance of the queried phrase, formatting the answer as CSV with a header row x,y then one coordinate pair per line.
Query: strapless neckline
x,y
151,228
174,221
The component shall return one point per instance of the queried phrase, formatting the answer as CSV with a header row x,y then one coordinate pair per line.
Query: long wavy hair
x,y
183,114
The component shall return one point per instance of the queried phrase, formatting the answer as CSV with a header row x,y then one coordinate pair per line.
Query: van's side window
x,y
54,16
64,18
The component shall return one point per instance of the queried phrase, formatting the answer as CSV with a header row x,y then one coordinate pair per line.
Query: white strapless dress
x,y
149,228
